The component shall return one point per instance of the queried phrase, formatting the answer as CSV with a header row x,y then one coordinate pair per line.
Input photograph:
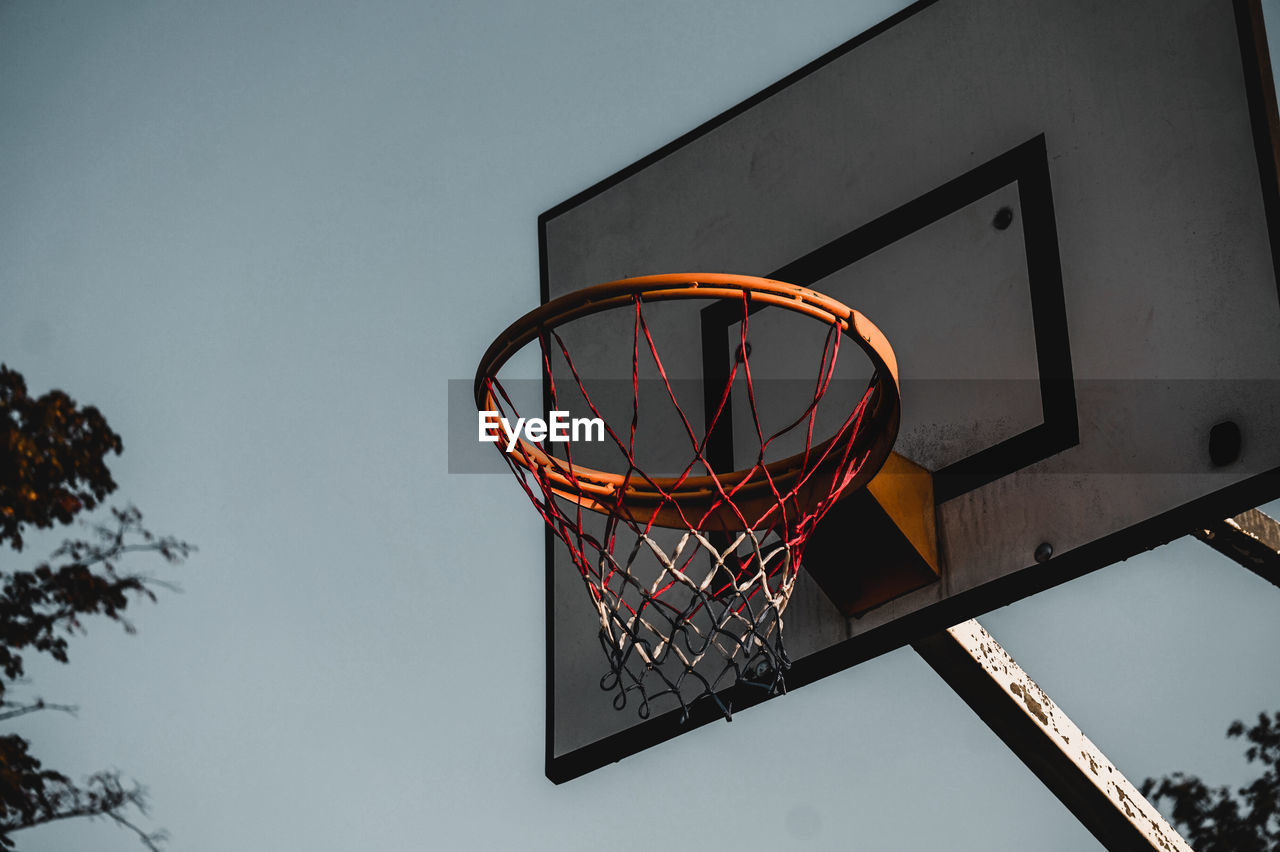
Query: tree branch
x,y
13,709
39,608
104,795
152,841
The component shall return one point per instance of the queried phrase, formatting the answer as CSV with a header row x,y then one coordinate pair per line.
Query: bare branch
x,y
13,709
152,841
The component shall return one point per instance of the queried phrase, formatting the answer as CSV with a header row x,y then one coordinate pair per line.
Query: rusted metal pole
x,y
1041,735
1250,538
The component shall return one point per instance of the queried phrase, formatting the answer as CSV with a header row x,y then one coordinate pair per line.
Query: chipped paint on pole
x,y
1049,743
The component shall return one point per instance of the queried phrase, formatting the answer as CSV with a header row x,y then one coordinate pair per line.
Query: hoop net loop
x,y
689,574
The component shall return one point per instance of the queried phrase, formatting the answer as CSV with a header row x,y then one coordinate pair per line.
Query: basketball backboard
x,y
1064,217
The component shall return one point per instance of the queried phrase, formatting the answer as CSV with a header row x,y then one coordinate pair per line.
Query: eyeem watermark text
x,y
561,428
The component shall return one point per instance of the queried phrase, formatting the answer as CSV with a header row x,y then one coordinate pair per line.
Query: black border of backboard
x,y
1027,165
1260,91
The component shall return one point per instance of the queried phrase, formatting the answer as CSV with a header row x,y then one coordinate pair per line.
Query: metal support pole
x,y
1041,735
1250,538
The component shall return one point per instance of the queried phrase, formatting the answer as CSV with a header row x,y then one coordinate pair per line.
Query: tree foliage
x,y
52,468
1218,820
54,463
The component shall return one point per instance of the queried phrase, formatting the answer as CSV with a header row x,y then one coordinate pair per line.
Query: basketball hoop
x,y
669,624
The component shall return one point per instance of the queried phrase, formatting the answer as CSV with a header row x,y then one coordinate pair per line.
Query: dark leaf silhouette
x,y
53,464
1214,819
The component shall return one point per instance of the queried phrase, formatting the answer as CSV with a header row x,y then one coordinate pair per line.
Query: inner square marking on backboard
x,y
1027,165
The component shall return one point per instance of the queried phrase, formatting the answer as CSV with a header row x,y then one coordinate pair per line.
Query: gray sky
x,y
262,237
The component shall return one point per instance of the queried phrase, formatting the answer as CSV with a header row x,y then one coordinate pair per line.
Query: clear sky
x,y
261,237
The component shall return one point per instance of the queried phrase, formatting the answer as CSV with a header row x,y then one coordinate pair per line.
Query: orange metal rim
x,y
599,490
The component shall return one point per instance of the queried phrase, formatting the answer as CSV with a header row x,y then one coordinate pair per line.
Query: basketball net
x,y
686,615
